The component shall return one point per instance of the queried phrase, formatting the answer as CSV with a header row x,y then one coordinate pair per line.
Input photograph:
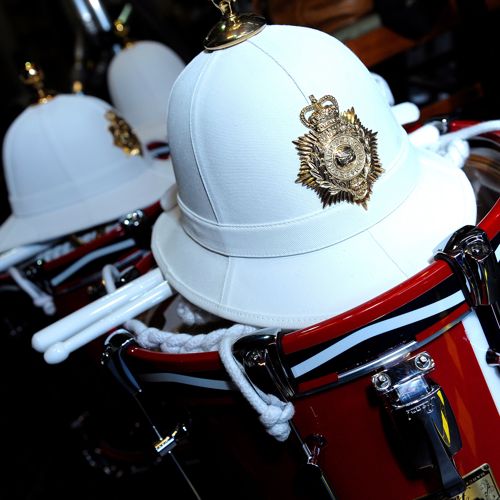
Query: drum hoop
x,y
317,384
208,366
380,306
151,211
82,250
125,258
436,275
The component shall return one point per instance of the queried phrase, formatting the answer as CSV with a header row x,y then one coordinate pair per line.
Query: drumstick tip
x,y
56,353
37,343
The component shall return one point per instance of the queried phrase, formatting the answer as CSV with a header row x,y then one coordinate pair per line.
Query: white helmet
x,y
299,194
70,164
140,78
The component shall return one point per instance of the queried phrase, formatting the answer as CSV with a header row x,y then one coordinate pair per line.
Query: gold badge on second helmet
x,y
123,136
338,157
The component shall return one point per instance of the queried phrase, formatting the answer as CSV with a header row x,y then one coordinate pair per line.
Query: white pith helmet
x,y
266,236
66,170
140,78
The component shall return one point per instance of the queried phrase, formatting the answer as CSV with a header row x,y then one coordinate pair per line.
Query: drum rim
x,y
338,325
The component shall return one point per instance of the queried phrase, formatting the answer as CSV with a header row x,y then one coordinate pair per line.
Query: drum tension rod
x,y
113,359
472,258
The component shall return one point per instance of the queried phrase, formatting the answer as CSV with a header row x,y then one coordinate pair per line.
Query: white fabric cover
x,y
251,245
64,173
140,78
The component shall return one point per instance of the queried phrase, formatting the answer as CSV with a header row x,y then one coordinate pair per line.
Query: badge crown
x,y
338,156
123,135
320,115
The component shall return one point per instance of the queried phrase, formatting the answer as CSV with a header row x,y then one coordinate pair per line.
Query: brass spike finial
x,y
233,28
32,75
120,27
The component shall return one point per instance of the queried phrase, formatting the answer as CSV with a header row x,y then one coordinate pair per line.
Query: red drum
x,y
393,399
77,395
71,272
102,421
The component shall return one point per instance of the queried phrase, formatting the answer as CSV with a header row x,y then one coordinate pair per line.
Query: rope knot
x,y
275,419
274,414
457,151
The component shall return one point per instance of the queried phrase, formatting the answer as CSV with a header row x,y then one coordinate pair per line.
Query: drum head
x,y
483,171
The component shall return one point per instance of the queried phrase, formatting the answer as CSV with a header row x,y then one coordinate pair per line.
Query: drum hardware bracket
x,y
422,418
117,345
315,443
442,125
35,272
492,357
471,256
136,225
127,276
165,445
259,354
311,474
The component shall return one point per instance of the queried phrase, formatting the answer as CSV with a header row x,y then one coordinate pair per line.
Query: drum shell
x,y
359,459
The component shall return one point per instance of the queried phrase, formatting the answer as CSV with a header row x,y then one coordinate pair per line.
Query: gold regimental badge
x,y
123,136
338,157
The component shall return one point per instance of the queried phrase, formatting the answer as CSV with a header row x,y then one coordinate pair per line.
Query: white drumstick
x,y
19,254
406,112
78,320
60,351
426,136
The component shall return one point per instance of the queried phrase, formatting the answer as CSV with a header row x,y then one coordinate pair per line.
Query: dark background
x,y
55,419
454,47
50,32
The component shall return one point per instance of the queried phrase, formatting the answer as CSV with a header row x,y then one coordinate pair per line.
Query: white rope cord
x,y
38,296
453,146
471,131
182,343
456,151
193,315
274,414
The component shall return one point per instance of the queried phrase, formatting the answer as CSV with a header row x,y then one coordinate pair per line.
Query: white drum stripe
x,y
160,151
96,254
207,383
477,338
374,330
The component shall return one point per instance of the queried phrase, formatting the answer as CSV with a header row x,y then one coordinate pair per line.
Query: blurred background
x,y
438,54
